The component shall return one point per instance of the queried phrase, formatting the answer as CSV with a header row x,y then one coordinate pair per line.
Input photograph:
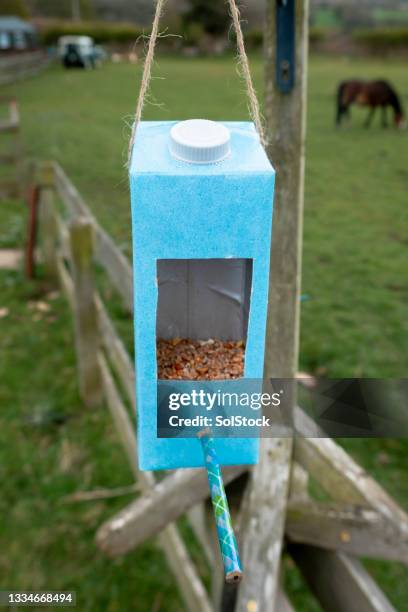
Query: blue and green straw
x,y
225,531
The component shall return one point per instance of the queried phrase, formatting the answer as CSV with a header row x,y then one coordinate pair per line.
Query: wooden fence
x,y
21,66
324,539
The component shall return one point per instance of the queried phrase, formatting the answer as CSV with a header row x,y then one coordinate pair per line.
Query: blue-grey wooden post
x,y
286,123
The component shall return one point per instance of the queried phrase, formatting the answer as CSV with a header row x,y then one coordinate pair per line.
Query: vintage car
x,y
79,52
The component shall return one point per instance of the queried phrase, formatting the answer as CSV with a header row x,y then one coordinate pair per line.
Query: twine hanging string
x,y
147,73
254,108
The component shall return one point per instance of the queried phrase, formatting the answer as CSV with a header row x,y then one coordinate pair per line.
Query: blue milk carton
x,y
202,200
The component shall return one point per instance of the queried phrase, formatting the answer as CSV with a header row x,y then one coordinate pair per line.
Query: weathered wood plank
x,y
69,194
353,529
114,347
62,235
120,416
48,232
116,265
85,316
66,281
340,583
263,527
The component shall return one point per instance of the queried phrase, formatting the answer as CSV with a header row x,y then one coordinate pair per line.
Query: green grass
x,y
354,324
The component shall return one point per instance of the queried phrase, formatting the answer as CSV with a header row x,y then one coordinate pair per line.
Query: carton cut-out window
x,y
202,317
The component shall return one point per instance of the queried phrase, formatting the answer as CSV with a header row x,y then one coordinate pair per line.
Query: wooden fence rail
x,y
360,520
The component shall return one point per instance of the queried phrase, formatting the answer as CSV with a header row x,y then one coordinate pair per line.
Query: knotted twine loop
x,y
254,107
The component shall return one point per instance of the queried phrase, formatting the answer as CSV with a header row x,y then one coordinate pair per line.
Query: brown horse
x,y
373,94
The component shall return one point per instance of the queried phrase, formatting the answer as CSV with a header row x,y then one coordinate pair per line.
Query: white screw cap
x,y
199,141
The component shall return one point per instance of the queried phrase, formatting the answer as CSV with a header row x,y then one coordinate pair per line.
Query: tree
x,y
14,7
212,15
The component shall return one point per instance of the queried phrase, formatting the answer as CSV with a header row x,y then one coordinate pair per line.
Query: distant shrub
x,y
193,33
383,38
101,32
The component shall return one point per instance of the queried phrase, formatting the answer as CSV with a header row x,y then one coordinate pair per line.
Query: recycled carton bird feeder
x,y
202,199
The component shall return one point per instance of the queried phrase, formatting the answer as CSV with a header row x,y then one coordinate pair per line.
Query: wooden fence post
x,y
45,177
286,121
85,313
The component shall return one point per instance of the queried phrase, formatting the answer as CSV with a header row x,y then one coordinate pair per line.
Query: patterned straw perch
x,y
226,536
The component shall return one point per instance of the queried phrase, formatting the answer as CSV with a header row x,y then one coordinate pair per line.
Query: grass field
x,y
353,324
